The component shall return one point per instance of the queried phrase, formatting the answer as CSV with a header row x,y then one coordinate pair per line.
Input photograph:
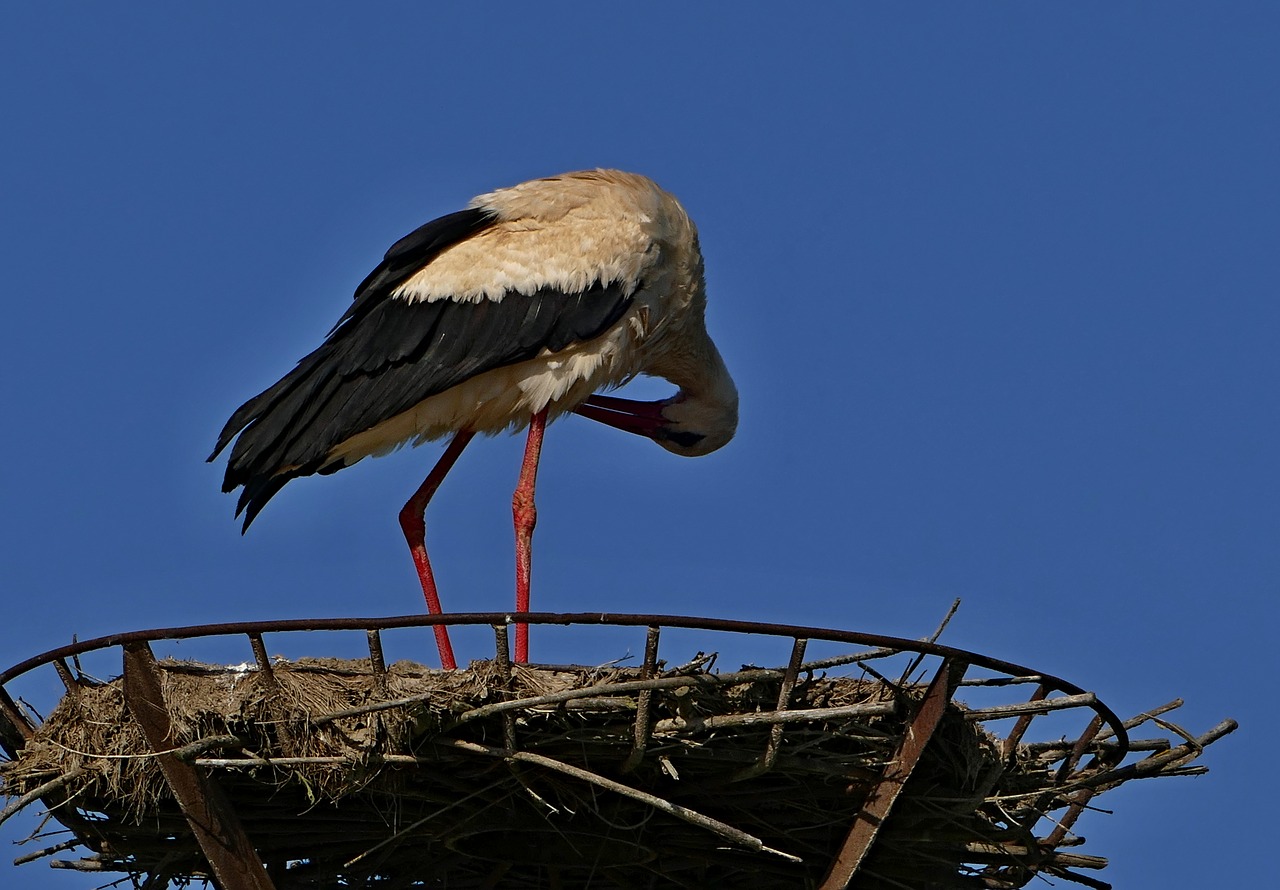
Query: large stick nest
x,y
431,792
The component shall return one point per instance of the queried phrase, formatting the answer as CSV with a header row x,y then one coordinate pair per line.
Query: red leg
x,y
525,515
413,524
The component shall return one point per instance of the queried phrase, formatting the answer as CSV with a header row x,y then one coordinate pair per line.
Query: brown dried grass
x,y
416,793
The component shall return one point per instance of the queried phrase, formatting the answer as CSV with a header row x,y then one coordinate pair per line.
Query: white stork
x,y
508,314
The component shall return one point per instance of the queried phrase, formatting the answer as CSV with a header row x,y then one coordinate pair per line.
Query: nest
x,y
518,776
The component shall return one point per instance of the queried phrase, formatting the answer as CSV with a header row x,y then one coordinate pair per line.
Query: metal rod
x,y
875,810
1019,729
1080,799
216,827
260,656
377,661
644,703
770,755
15,731
585,618
502,658
64,674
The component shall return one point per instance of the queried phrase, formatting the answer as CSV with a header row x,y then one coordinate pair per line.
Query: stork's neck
x,y
707,382
706,407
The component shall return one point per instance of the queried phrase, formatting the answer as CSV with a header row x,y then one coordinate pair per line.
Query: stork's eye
x,y
683,439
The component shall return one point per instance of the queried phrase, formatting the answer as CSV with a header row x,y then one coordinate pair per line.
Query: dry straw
x,y
528,777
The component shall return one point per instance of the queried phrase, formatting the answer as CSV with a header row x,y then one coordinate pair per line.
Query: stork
x,y
505,315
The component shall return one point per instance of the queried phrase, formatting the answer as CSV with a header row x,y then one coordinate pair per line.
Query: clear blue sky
x,y
997,282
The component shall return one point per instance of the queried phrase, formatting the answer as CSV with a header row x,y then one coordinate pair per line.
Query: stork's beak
x,y
642,418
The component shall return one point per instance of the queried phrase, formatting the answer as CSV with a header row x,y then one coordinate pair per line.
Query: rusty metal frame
x,y
875,641
377,661
644,704
880,644
770,755
231,854
213,822
502,658
875,809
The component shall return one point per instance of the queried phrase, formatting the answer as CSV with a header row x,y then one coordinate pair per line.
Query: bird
x,y
528,305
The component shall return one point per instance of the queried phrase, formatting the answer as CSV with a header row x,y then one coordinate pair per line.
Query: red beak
x,y
641,418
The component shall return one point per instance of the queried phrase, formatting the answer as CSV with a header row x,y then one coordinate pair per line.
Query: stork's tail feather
x,y
261,460
256,493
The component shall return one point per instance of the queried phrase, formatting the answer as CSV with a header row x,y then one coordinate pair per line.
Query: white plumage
x,y
504,315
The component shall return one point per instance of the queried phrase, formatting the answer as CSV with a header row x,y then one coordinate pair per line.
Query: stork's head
x,y
697,420
689,423
703,415
692,425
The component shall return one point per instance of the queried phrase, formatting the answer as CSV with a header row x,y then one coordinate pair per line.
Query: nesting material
x,y
411,777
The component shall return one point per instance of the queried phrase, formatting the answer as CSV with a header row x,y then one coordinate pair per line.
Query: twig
x,y
1075,878
185,751
423,821
855,658
700,662
1154,764
691,816
1032,707
40,791
681,724
1002,681
554,698
748,676
47,851
88,865
1108,732
1178,730
915,662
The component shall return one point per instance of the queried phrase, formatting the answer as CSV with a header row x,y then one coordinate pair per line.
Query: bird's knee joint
x,y
412,521
523,508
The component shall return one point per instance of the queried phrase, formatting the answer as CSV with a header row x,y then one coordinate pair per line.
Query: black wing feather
x,y
387,354
401,261
408,255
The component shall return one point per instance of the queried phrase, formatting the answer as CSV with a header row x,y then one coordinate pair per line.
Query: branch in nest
x,y
693,817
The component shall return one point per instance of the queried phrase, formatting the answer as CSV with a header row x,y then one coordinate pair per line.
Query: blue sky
x,y
997,283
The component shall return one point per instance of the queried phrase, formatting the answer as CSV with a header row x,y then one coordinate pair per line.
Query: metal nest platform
x,y
862,761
